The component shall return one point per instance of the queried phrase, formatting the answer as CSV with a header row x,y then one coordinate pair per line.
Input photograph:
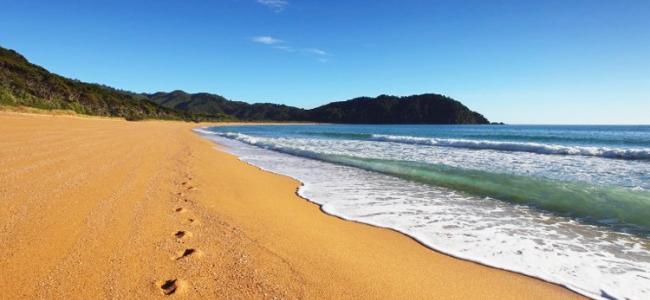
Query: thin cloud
x,y
315,51
275,5
267,40
320,55
278,44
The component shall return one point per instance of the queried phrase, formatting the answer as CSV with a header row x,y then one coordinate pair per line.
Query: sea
x,y
566,204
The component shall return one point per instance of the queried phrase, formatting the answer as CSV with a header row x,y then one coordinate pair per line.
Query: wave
x,y
611,206
343,135
532,147
606,152
563,137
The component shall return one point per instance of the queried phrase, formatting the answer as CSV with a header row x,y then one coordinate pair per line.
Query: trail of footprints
x,y
170,286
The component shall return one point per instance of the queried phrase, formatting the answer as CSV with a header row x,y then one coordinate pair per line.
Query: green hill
x,y
416,109
23,83
210,104
26,84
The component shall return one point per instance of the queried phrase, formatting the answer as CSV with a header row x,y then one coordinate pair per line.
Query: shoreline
x,y
139,209
405,234
414,239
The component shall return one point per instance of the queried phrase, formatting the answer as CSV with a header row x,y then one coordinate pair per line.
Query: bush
x,y
6,98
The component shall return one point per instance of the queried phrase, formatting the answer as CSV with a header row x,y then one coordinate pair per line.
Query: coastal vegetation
x,y
25,84
211,104
416,109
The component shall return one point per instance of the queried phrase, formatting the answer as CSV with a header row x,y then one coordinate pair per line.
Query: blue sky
x,y
514,61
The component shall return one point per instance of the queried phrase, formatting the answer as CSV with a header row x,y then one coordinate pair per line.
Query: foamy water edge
x,y
324,207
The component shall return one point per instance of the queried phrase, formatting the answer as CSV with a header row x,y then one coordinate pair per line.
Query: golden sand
x,y
96,208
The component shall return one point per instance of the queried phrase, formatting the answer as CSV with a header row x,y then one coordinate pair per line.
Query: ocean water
x,y
567,204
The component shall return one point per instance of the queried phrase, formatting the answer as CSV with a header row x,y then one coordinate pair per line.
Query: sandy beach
x,y
95,208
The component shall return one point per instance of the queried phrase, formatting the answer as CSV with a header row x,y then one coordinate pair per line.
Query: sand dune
x,y
102,208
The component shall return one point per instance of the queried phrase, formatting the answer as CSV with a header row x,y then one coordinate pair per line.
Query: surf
x,y
508,146
622,208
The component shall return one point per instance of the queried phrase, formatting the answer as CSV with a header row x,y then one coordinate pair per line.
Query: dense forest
x,y
23,83
26,84
210,104
416,109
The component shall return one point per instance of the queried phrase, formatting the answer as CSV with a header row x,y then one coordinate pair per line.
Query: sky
x,y
524,62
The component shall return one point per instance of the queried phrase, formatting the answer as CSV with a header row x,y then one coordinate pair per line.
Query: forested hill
x,y
26,84
416,109
210,104
23,83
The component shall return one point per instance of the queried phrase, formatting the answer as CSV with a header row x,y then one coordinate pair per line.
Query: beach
x,y
105,208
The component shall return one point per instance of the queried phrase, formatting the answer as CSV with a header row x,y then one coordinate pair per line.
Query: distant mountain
x,y
210,104
23,83
416,109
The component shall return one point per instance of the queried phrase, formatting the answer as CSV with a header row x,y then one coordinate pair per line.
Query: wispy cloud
x,y
267,40
275,5
321,55
315,51
278,44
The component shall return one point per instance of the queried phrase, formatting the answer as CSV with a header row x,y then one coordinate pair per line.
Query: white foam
x,y
588,259
620,153
594,170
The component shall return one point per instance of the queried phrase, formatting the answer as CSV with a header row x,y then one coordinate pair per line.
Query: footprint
x,y
169,286
182,234
189,188
187,253
192,221
180,210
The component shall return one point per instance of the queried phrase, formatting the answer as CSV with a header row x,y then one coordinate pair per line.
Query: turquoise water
x,y
579,195
623,136
604,205
614,199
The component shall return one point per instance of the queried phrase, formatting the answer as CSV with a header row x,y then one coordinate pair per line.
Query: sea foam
x,y
591,260
619,153
626,207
